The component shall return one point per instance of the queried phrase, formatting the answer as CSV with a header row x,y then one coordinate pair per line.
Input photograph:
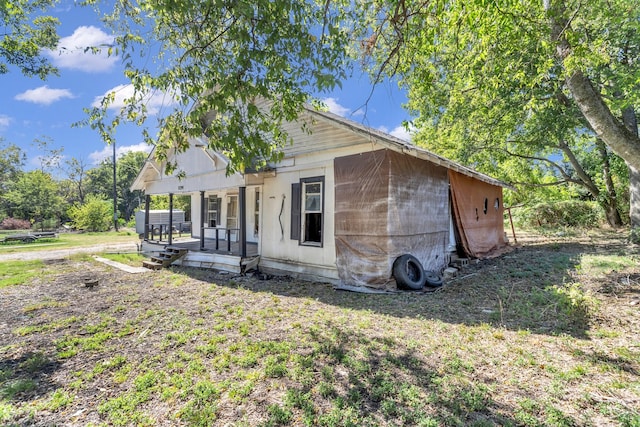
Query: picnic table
x,y
27,237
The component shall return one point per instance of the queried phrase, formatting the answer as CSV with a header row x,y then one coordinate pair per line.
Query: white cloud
x,y
399,132
359,112
44,95
5,121
335,108
107,152
154,101
76,51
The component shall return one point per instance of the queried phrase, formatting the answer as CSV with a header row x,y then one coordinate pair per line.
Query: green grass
x,y
520,343
19,272
598,264
46,327
69,240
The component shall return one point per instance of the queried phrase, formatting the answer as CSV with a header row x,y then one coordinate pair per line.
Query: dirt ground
x,y
503,296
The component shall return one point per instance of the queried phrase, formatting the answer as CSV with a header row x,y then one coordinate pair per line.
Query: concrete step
x,y
152,265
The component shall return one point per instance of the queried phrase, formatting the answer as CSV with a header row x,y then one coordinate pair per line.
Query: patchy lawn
x,y
546,335
68,240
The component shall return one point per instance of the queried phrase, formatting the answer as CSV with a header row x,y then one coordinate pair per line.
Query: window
x,y
213,211
232,217
232,211
312,212
307,211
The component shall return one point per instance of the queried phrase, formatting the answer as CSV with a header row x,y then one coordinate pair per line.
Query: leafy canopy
x,y
236,69
34,195
488,80
26,32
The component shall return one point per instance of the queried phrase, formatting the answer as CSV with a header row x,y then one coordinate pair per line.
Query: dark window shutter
x,y
218,210
295,211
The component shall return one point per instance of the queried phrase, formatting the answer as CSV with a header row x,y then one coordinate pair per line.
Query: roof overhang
x,y
393,143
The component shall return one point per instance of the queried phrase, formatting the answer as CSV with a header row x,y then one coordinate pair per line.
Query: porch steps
x,y
165,258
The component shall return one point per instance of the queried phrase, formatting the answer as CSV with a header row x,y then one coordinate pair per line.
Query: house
x,y
343,203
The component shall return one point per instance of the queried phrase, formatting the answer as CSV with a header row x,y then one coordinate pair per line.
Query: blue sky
x,y
32,109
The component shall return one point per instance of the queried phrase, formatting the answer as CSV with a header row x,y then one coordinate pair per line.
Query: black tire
x,y
432,280
408,272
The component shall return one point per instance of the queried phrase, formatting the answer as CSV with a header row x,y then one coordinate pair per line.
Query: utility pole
x,y
115,194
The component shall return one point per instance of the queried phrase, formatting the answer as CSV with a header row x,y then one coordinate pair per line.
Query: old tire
x,y
408,272
432,279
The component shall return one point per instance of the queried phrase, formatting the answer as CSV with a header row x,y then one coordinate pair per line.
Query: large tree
x,y
505,62
77,180
27,29
34,196
227,57
12,160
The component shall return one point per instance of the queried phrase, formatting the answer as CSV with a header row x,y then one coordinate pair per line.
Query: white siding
x,y
202,169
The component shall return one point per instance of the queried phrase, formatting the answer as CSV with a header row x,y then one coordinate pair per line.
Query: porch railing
x,y
226,232
162,230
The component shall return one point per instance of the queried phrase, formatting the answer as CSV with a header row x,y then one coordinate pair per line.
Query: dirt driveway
x,y
63,253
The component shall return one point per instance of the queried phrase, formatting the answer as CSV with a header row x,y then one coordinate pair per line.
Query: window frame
x,y
299,211
217,201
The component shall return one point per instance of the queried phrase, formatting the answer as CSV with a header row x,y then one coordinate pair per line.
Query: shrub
x,y
15,224
570,213
94,215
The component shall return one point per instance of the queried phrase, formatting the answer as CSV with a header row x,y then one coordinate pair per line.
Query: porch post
x,y
202,212
147,202
170,218
242,201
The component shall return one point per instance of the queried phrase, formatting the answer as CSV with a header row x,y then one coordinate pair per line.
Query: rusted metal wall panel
x,y
478,213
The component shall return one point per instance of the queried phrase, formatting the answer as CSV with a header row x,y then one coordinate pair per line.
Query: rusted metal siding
x,y
478,213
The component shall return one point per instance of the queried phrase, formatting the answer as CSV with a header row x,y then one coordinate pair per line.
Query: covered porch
x,y
209,244
222,227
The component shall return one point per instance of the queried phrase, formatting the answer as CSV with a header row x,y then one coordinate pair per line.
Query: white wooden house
x,y
341,206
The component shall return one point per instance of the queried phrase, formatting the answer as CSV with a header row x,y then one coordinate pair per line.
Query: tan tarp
x,y
478,213
388,204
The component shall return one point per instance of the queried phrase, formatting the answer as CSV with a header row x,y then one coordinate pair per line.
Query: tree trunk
x,y
630,120
612,131
621,138
634,196
610,203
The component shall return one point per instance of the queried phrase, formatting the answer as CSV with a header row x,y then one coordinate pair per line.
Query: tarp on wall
x,y
478,212
388,204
